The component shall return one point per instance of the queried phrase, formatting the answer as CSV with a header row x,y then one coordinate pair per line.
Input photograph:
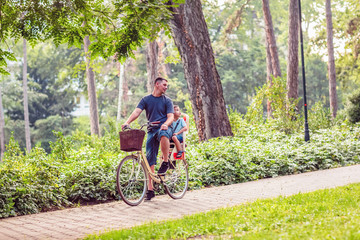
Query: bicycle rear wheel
x,y
177,180
131,180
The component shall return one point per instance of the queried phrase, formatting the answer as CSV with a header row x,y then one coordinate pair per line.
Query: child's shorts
x,y
179,137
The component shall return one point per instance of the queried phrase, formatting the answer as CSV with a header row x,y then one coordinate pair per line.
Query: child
x,y
179,126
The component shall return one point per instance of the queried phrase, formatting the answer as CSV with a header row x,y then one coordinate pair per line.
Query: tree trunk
x,y
26,105
331,60
164,68
121,90
90,76
269,75
270,38
151,64
191,37
125,89
293,55
2,126
272,58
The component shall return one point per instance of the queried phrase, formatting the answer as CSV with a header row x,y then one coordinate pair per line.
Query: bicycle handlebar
x,y
149,124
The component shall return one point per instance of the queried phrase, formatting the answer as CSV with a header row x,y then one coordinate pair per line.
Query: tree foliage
x,y
114,27
239,54
52,85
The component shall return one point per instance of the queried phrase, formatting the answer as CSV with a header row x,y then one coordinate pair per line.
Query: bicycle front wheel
x,y
131,180
177,180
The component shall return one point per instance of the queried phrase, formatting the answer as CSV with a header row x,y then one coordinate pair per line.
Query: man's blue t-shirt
x,y
156,108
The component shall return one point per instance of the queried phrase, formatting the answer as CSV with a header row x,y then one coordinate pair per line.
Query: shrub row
x,y
81,168
264,154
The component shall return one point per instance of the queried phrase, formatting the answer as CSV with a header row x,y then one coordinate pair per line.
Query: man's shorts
x,y
153,142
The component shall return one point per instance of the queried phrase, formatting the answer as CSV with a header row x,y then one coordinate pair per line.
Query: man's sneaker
x,y
149,195
163,168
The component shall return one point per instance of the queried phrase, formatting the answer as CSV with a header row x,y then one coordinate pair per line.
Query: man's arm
x,y
168,122
134,115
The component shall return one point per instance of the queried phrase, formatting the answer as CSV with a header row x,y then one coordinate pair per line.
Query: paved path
x,y
76,223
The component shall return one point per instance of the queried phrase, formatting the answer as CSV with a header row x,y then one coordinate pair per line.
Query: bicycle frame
x,y
156,178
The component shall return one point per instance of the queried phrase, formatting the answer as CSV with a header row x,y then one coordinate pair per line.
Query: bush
x,y
265,153
319,117
91,175
353,109
80,168
284,115
89,172
29,184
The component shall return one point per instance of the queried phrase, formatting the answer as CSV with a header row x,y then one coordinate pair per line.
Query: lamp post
x,y
307,135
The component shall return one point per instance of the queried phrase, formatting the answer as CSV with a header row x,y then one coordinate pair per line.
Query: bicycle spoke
x,y
176,180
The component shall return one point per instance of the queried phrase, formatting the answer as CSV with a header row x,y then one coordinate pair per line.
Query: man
x,y
158,107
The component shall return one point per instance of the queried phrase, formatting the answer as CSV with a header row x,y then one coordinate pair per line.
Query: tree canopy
x,y
118,29
115,27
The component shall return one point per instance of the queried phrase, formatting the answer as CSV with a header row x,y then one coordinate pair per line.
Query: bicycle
x,y
133,171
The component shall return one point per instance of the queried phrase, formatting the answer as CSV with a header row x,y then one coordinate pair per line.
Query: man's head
x,y
161,84
177,112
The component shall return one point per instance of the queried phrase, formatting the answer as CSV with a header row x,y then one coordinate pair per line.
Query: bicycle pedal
x,y
162,177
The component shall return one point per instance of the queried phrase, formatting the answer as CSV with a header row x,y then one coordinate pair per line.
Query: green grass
x,y
323,214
